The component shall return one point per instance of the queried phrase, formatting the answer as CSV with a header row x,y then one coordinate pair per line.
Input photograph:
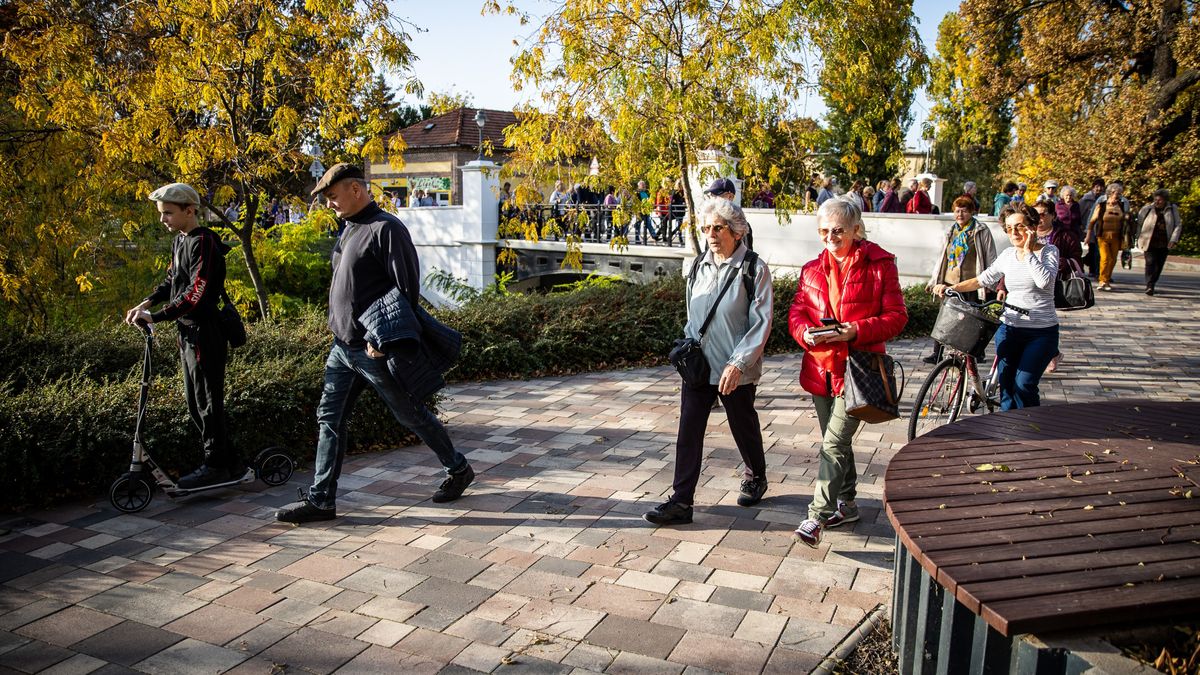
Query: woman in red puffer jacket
x,y
855,283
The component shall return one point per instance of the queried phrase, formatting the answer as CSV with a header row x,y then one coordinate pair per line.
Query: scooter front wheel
x,y
274,466
131,493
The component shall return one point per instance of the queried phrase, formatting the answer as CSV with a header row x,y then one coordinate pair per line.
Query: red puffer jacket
x,y
871,300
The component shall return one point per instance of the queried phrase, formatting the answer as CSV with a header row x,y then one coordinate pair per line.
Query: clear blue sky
x,y
462,51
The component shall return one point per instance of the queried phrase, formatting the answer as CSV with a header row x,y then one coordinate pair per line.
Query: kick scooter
x,y
132,492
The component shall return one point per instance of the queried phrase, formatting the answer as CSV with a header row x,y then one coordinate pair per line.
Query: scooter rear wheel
x,y
131,493
274,466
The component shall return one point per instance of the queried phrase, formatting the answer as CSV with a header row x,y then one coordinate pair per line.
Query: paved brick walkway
x,y
546,566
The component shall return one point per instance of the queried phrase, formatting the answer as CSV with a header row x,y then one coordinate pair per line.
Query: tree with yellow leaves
x,y
645,86
223,94
1103,88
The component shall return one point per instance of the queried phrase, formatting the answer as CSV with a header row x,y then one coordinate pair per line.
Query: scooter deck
x,y
175,491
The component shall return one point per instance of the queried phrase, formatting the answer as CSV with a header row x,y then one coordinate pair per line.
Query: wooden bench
x,y
1041,520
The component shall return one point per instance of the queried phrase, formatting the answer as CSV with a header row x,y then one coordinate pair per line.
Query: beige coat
x,y
985,254
1146,220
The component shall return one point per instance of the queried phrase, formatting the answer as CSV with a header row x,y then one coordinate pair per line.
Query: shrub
x,y
69,402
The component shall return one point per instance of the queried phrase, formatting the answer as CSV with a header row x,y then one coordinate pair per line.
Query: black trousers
x,y
1092,259
1154,258
204,353
693,420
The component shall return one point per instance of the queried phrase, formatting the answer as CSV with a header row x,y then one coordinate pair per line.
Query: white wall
x,y
916,240
460,240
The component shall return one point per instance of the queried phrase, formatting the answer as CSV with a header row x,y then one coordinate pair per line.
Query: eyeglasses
x,y
715,228
835,232
1018,228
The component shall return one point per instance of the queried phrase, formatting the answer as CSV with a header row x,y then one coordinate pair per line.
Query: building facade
x,y
435,149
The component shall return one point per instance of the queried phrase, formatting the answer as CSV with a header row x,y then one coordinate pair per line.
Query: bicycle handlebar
x,y
984,305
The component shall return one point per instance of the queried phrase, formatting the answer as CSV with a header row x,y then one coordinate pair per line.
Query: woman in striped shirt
x,y
1025,344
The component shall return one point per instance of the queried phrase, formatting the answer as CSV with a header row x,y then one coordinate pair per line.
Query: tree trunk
x,y
245,234
690,220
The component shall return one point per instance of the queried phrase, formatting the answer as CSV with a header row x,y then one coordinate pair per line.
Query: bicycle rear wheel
x,y
939,399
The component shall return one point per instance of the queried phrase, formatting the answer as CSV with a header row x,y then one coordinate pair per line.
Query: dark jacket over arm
x,y
419,348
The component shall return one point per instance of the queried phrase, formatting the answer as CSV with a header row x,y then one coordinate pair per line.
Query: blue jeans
x,y
347,372
1022,356
644,226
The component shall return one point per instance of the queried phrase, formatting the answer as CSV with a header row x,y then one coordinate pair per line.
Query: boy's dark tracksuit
x,y
193,288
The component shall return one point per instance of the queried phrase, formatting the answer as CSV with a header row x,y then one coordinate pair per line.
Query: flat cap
x,y
176,193
336,173
720,186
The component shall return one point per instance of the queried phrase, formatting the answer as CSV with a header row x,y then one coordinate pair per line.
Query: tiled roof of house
x,y
457,128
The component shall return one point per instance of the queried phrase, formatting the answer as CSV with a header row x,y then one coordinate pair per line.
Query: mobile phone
x,y
829,322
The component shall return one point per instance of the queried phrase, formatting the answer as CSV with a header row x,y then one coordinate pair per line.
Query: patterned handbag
x,y
870,387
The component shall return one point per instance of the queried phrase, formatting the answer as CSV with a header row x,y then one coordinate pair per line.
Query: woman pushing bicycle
x,y
1025,343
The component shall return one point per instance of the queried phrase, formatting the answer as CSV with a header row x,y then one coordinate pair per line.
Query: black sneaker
x,y
932,359
452,488
753,490
304,511
670,513
203,477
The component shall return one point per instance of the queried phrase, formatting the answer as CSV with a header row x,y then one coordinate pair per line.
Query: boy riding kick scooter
x,y
189,295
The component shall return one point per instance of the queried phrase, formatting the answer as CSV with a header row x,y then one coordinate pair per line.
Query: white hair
x,y
731,214
1068,190
844,212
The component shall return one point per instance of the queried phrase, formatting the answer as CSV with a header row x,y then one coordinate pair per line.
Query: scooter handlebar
x,y
146,328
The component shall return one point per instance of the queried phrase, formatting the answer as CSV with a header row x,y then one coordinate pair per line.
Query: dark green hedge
x,y
68,405
68,402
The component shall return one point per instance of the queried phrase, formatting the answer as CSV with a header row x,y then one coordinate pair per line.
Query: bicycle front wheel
x,y
939,399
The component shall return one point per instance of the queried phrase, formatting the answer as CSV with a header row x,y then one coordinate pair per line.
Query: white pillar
x,y
480,222
713,164
936,191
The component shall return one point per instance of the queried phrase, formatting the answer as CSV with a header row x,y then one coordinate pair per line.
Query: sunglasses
x,y
835,232
715,228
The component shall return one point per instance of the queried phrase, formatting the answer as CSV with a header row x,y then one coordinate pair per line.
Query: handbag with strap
x,y
232,326
688,355
870,387
1072,288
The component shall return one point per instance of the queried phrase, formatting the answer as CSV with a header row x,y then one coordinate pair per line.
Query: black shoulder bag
x,y
687,355
231,323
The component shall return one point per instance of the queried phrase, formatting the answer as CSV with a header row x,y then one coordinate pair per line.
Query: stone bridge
x,y
463,241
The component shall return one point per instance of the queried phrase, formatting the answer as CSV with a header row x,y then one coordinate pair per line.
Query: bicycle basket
x,y
962,327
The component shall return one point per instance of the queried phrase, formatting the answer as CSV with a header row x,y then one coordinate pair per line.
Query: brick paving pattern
x,y
545,565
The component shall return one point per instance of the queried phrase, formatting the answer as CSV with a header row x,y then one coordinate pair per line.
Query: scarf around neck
x,y
958,244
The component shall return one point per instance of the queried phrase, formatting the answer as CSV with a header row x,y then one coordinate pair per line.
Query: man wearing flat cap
x,y
192,289
374,254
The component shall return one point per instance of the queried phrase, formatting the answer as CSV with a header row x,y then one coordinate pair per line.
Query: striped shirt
x,y
1030,284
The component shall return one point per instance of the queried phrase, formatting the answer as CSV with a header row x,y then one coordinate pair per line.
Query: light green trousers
x,y
837,479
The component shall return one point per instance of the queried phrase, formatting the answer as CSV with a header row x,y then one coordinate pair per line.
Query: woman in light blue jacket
x,y
733,345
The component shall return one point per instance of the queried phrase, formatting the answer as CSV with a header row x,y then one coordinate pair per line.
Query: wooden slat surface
x,y
1088,524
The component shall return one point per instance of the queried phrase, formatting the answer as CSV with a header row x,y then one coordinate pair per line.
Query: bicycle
x,y
954,386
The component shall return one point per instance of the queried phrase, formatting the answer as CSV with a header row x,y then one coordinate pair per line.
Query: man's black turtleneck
x,y
373,254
